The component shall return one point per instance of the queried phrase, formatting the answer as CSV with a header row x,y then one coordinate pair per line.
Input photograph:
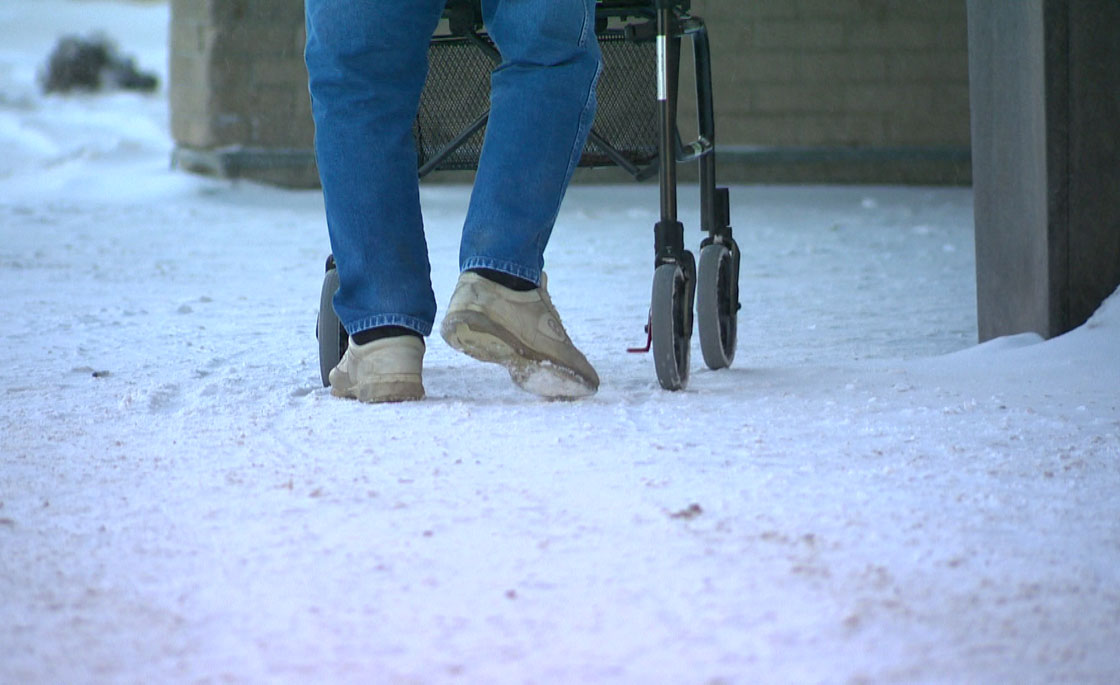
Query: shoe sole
x,y
477,336
400,391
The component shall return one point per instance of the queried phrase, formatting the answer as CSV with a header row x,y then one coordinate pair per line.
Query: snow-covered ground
x,y
866,496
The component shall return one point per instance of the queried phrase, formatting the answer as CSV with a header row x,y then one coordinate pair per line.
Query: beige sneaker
x,y
386,370
522,332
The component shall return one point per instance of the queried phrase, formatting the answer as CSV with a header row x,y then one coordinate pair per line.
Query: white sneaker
x,y
522,332
386,370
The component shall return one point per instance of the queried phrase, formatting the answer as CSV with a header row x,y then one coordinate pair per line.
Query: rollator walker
x,y
635,128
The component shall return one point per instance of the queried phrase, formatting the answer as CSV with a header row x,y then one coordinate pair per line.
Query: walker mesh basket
x,y
455,102
451,121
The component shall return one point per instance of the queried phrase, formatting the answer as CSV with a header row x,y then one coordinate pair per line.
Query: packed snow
x,y
866,496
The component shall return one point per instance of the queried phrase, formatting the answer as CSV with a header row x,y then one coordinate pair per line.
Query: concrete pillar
x,y
239,102
1045,100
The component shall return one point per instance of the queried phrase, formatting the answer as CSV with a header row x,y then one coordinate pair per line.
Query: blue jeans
x,y
367,61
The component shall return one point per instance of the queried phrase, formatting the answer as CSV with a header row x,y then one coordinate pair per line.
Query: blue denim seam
x,y
503,265
585,121
364,324
583,30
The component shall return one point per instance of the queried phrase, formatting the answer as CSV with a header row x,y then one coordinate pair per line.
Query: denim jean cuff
x,y
505,266
424,328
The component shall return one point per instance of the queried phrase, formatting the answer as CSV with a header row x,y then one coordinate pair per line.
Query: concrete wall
x,y
809,90
1093,142
878,88
1046,155
239,103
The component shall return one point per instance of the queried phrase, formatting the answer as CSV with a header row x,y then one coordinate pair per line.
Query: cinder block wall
x,y
239,103
878,88
806,90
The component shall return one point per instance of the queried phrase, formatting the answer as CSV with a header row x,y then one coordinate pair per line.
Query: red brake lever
x,y
649,339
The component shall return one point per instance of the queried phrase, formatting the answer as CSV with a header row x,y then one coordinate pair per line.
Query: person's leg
x,y
543,102
542,105
367,62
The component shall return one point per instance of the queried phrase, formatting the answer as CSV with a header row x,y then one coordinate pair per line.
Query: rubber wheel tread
x,y
670,326
717,306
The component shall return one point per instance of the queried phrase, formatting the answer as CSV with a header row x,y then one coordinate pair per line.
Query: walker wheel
x,y
717,304
671,324
332,336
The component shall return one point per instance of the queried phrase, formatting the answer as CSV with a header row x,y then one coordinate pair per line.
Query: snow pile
x,y
866,496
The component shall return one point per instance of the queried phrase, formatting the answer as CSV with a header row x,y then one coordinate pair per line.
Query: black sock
x,y
371,334
507,280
